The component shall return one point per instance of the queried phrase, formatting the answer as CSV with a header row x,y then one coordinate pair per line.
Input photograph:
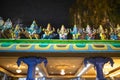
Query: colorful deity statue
x,y
1,22
48,32
113,35
102,33
6,29
16,32
75,33
88,32
1,26
118,31
63,32
34,30
7,25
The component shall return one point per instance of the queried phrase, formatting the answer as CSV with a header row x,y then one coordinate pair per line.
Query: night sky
x,y
55,12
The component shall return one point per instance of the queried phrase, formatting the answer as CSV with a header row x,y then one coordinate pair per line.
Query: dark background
x,y
55,12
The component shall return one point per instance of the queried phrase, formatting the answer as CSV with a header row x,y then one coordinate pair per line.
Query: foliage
x,y
95,12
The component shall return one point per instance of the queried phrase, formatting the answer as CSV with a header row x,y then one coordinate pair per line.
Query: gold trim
x,y
23,48
114,48
100,48
37,47
63,46
6,48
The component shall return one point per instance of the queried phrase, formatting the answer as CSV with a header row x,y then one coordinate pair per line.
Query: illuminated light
x,y
18,71
105,72
62,72
84,70
8,66
52,72
50,66
73,66
112,75
36,79
37,69
41,75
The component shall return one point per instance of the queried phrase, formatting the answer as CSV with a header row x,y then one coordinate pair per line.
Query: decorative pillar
x,y
31,62
98,62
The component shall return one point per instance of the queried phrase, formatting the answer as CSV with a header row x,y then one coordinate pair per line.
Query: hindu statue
x,y
16,32
48,32
88,33
6,29
34,30
102,33
118,31
113,34
63,32
1,25
1,22
7,25
75,32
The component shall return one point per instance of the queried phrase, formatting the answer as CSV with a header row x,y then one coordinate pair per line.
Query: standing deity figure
x,y
75,33
63,32
89,32
102,33
48,32
34,30
16,32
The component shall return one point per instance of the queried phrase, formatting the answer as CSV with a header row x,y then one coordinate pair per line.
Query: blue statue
x,y
6,29
98,62
113,34
31,62
7,25
75,33
48,33
34,30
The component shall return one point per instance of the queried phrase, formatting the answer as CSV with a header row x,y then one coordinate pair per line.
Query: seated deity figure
x,y
63,32
113,35
16,32
75,32
48,32
34,30
88,33
102,33
7,25
6,29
